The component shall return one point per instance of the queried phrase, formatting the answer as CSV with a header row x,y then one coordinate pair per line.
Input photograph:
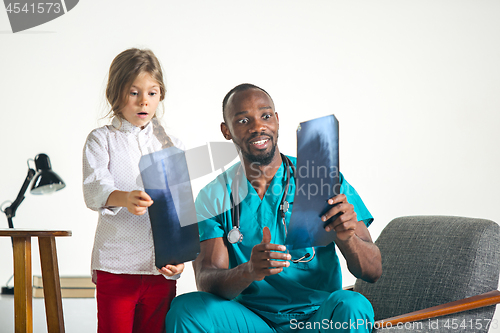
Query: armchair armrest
x,y
474,302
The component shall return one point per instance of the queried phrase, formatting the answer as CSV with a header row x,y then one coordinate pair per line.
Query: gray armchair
x,y
429,261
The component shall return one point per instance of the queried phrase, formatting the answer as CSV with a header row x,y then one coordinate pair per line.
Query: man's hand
x,y
265,260
171,270
138,202
212,271
353,239
346,222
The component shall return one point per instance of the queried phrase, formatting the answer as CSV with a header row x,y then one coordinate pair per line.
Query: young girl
x,y
132,294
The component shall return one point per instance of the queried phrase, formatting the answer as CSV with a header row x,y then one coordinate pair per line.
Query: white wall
x,y
415,85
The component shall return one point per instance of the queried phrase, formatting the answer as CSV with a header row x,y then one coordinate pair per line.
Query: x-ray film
x,y
173,217
317,180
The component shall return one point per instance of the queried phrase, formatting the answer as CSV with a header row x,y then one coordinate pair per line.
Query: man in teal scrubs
x,y
255,285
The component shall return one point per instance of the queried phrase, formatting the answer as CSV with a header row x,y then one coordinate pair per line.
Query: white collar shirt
x,y
123,242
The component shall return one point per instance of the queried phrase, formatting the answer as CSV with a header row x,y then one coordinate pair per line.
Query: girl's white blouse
x,y
123,242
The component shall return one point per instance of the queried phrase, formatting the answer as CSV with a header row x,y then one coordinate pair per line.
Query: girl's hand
x,y
138,202
171,270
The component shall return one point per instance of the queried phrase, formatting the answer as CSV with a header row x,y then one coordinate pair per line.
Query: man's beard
x,y
261,159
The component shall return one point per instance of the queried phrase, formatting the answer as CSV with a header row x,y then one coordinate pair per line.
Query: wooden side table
x,y
23,289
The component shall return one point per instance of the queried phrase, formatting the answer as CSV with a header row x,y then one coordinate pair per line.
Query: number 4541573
x,y
40,8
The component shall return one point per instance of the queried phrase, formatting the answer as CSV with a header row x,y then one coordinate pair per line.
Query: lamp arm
x,y
11,210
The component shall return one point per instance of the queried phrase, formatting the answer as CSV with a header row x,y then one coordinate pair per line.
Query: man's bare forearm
x,y
212,271
363,258
226,283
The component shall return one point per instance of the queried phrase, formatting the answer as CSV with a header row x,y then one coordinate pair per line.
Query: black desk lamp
x,y
46,181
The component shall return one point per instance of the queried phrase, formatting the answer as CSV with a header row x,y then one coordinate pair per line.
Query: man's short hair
x,y
237,89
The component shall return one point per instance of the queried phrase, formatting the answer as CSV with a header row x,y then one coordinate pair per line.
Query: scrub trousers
x,y
342,311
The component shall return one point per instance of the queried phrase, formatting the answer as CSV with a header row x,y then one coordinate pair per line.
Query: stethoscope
x,y
236,236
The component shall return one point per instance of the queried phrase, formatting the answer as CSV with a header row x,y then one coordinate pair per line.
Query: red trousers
x,y
132,303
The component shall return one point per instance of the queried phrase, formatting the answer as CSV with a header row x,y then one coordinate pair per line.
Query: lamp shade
x,y
46,180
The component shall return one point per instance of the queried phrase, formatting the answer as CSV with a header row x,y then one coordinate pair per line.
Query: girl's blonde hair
x,y
124,69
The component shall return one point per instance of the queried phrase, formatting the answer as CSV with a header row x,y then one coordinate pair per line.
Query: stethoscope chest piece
x,y
235,236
